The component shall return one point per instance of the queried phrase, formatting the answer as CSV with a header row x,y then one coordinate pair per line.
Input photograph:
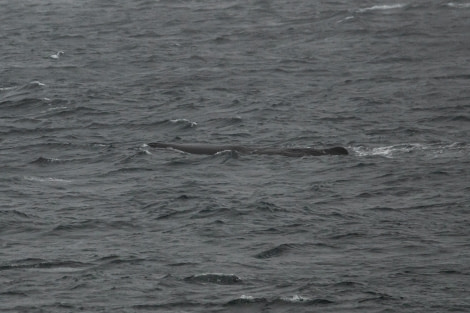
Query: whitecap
x,y
59,270
54,109
347,18
244,299
35,83
184,121
431,150
7,88
57,55
381,7
144,149
43,160
458,5
46,179
228,151
387,151
295,299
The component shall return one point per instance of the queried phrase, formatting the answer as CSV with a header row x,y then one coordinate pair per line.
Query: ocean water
x,y
94,220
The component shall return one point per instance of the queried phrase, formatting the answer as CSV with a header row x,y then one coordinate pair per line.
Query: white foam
x,y
53,159
295,299
54,109
432,150
224,152
459,5
388,151
36,83
176,150
347,18
57,55
382,7
6,88
215,274
46,179
185,121
59,270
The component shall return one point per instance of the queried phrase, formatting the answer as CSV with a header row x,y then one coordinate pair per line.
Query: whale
x,y
209,149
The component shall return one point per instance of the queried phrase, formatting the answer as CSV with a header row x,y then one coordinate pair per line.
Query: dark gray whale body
x,y
213,149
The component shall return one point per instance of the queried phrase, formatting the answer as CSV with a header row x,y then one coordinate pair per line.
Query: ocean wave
x,y
12,90
244,299
46,161
215,278
52,266
274,252
381,7
13,213
23,96
184,122
392,151
295,299
32,85
387,151
7,88
166,231
458,5
90,224
300,299
229,154
52,109
46,179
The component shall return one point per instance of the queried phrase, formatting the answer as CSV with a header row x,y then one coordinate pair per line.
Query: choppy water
x,y
92,219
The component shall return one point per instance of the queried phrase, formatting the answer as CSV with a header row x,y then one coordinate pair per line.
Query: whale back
x,y
213,149
336,151
198,148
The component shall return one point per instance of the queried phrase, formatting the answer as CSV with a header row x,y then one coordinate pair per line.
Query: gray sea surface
x,y
92,219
